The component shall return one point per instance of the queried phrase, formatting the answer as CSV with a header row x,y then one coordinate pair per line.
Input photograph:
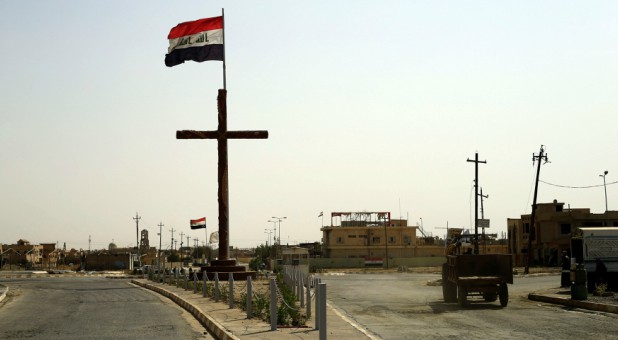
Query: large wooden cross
x,y
222,135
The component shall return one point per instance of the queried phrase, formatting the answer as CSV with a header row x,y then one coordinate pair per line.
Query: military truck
x,y
597,249
484,275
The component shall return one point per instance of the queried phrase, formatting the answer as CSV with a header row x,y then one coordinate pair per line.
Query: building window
x,y
339,240
351,236
565,228
391,239
375,240
407,240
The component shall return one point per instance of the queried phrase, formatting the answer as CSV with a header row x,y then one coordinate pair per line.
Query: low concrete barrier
x,y
574,303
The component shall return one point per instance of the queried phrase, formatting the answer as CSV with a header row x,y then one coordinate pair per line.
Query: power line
x,y
577,187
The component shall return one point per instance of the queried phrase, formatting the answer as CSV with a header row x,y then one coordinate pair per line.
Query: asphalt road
x,y
404,306
91,308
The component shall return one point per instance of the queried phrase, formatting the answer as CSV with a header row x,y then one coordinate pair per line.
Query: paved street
x,y
95,308
403,306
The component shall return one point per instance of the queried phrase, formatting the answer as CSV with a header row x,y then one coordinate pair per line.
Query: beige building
x,y
368,235
555,224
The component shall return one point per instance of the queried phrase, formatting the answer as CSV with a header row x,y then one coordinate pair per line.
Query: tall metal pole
x,y
532,231
279,219
224,76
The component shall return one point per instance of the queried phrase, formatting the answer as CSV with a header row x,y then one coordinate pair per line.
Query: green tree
x,y
262,255
173,257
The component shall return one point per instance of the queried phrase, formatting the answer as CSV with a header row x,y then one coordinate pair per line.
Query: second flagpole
x,y
224,76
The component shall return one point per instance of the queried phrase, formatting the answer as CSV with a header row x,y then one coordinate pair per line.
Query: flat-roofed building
x,y
368,235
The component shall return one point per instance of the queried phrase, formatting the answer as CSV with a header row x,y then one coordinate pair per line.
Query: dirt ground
x,y
432,270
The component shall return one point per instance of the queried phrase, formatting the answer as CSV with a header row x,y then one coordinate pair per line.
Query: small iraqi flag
x,y
198,40
200,223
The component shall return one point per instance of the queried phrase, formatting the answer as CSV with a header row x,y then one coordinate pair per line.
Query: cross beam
x,y
222,135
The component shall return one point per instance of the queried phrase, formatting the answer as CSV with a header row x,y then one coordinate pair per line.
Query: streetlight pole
x,y
137,218
275,229
279,219
605,186
268,232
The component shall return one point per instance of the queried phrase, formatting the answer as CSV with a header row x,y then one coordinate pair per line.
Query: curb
x,y
3,290
213,326
574,303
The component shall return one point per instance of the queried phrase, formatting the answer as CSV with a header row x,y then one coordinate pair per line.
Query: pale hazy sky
x,y
370,106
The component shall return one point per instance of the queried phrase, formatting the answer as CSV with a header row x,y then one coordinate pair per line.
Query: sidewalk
x,y
562,296
232,323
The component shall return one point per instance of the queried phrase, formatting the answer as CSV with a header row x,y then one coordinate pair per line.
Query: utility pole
x,y
181,243
483,217
532,230
476,200
89,244
188,245
160,235
172,245
137,218
605,186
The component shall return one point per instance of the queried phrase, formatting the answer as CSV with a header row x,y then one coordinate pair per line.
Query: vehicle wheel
x,y
490,297
462,295
504,295
449,289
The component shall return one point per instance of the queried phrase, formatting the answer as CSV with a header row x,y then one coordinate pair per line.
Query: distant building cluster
x,y
24,255
372,237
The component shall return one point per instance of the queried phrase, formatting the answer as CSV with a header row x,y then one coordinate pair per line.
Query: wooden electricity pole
x,y
476,200
532,228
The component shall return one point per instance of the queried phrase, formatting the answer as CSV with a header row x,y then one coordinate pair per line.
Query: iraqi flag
x,y
198,40
200,223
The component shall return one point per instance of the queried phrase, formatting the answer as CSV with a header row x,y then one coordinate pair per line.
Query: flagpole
x,y
223,20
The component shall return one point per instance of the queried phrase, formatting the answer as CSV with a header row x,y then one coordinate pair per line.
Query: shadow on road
x,y
443,307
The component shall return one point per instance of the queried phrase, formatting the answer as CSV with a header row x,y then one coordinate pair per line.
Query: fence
x,y
289,295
